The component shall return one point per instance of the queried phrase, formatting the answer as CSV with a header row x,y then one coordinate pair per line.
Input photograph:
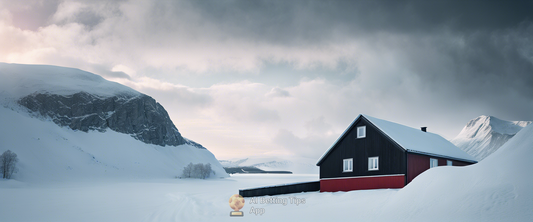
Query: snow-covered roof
x,y
412,140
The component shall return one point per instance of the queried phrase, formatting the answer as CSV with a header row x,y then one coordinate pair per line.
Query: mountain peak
x,y
485,134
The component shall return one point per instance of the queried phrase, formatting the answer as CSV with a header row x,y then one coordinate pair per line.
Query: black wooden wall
x,y
391,157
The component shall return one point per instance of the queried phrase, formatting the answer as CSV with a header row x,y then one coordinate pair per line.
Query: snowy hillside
x,y
65,123
483,135
293,164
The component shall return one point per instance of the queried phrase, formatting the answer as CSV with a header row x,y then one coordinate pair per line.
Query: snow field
x,y
133,200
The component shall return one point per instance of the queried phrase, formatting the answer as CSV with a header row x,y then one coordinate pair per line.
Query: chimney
x,y
424,129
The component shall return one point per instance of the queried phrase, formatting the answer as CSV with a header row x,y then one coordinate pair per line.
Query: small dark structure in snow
x,y
281,189
374,154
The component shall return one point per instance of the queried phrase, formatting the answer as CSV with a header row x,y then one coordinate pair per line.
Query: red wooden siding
x,y
417,164
362,183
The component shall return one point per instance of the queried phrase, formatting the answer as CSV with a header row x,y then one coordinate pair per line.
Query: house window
x,y
373,163
449,163
433,163
361,132
347,165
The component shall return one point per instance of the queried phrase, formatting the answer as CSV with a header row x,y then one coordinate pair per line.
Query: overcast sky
x,y
285,78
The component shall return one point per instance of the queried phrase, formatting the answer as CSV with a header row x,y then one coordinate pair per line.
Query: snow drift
x,y
499,188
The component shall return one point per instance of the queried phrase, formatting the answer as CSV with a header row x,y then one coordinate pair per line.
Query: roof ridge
x,y
409,139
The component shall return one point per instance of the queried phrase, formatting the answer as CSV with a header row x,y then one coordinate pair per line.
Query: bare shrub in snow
x,y
187,171
199,170
8,162
205,171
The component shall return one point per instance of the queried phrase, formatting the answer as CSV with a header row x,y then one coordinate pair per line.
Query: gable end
x,y
353,127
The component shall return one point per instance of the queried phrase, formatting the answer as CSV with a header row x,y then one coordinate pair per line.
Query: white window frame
x,y
347,165
433,162
363,130
373,163
449,163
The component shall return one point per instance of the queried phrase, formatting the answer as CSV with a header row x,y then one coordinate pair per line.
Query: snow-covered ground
x,y
131,200
499,188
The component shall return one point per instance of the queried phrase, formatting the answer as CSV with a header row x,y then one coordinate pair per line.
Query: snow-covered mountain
x,y
484,135
293,164
61,119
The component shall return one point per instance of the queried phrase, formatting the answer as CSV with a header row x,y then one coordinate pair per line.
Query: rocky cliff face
x,y
138,115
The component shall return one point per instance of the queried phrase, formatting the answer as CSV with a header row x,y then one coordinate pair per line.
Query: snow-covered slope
x,y
485,134
293,164
49,152
65,123
498,188
21,80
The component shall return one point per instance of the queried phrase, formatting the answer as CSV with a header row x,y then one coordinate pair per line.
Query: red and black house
x,y
375,154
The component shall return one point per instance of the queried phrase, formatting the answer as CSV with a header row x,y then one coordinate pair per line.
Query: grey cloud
x,y
488,69
249,113
317,126
118,74
31,14
178,97
278,92
88,18
105,71
304,22
311,147
298,22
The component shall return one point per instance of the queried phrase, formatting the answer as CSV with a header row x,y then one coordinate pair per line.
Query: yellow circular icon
x,y
236,202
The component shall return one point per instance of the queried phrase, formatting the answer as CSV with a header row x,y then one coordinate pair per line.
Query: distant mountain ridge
x,y
292,164
484,135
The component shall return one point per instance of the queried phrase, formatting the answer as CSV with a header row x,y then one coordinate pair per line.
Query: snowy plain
x,y
498,188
